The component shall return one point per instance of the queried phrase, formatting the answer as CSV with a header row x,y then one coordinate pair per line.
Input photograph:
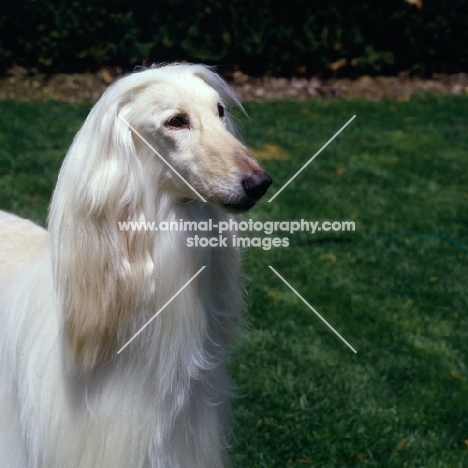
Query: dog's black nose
x,y
256,185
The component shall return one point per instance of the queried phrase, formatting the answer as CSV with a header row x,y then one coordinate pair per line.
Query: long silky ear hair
x,y
101,273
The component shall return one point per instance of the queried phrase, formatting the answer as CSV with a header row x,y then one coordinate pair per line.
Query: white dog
x,y
70,298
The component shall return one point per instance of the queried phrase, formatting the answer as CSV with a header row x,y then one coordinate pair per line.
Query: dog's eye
x,y
178,121
220,110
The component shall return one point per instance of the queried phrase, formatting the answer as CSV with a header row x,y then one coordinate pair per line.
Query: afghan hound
x,y
159,146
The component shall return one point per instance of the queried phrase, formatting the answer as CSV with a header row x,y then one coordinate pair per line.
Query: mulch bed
x,y
21,85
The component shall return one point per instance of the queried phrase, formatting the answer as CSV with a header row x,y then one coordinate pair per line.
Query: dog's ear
x,y
101,272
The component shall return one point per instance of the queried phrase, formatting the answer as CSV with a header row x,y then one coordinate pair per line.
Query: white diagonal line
x,y
311,308
161,309
155,152
312,158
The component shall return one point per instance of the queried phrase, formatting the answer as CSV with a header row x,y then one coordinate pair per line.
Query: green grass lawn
x,y
395,288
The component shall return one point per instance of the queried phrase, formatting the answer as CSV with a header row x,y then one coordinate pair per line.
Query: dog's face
x,y
185,120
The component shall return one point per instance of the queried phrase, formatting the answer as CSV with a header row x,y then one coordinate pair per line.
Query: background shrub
x,y
342,37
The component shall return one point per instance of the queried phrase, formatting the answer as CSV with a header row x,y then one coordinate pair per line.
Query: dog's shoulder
x,y
21,243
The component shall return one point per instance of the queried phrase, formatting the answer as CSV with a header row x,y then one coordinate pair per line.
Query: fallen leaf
x,y
268,151
417,3
340,63
328,256
401,445
307,113
105,76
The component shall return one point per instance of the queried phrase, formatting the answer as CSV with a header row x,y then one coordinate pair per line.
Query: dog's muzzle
x,y
254,187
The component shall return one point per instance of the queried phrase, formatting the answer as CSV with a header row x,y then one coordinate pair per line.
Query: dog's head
x,y
180,115
155,138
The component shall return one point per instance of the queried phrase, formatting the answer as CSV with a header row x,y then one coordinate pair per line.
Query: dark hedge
x,y
341,37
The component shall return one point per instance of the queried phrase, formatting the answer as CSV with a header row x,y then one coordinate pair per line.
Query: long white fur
x,y
71,297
